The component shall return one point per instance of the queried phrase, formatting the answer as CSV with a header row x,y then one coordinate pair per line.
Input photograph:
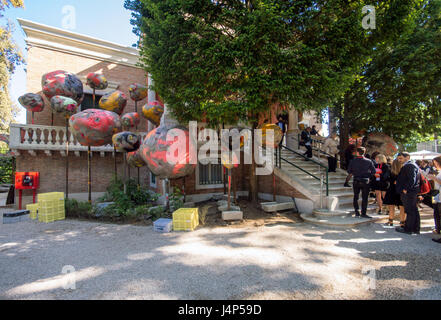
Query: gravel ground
x,y
277,261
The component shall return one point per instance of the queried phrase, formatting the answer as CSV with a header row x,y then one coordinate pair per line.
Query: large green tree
x,y
229,60
10,57
399,91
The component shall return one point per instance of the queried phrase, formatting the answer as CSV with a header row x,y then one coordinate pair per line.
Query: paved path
x,y
279,261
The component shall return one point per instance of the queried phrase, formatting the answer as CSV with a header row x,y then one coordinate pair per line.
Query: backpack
x,y
425,187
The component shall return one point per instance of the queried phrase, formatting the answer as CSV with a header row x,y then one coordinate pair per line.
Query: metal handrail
x,y
279,159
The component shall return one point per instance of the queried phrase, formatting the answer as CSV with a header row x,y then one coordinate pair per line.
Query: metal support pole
x,y
167,190
116,169
125,173
229,189
67,158
183,191
89,174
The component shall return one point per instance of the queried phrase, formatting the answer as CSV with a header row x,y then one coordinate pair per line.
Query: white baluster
x,y
34,137
50,137
57,138
71,139
26,136
65,139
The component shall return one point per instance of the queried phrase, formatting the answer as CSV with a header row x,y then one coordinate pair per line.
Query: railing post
x,y
321,191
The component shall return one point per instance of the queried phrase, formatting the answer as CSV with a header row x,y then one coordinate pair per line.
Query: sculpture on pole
x,y
32,102
62,83
94,127
115,101
153,112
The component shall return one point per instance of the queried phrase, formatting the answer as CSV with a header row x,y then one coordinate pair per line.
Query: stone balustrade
x,y
31,138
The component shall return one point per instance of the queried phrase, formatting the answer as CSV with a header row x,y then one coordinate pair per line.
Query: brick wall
x,y
41,61
282,188
52,171
239,177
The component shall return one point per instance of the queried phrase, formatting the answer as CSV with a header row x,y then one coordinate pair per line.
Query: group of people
x,y
397,184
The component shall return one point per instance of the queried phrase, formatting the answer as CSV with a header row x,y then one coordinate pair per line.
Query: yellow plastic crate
x,y
33,208
46,218
51,210
51,196
185,219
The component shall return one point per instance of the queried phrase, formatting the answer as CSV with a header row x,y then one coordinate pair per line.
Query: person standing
x,y
408,186
282,125
437,198
331,148
349,156
380,182
307,141
314,131
362,169
425,167
392,198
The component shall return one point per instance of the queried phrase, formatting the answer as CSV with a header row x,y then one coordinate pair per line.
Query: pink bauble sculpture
x,y
382,143
97,81
154,149
138,92
62,83
64,105
130,120
135,160
95,127
32,102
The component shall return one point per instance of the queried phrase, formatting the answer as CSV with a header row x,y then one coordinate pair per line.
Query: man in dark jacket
x,y
408,186
362,169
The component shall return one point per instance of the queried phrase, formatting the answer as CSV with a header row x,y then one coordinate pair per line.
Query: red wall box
x,y
26,181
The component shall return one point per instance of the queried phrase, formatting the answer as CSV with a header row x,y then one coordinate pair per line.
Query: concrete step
x,y
327,213
288,166
314,181
300,174
341,194
347,205
332,182
277,206
344,222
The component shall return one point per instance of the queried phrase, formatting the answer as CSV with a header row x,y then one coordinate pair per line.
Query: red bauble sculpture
x,y
95,127
154,151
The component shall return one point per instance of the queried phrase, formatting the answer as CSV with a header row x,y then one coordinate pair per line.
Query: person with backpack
x,y
437,197
408,186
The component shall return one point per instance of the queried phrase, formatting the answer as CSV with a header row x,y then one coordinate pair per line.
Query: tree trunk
x,y
344,128
253,177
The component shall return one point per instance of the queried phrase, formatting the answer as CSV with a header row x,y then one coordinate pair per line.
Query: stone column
x,y
293,129
151,98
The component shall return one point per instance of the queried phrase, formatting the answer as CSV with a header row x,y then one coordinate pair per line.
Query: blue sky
x,y
104,19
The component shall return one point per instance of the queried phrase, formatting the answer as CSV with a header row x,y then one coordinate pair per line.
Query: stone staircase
x,y
336,210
